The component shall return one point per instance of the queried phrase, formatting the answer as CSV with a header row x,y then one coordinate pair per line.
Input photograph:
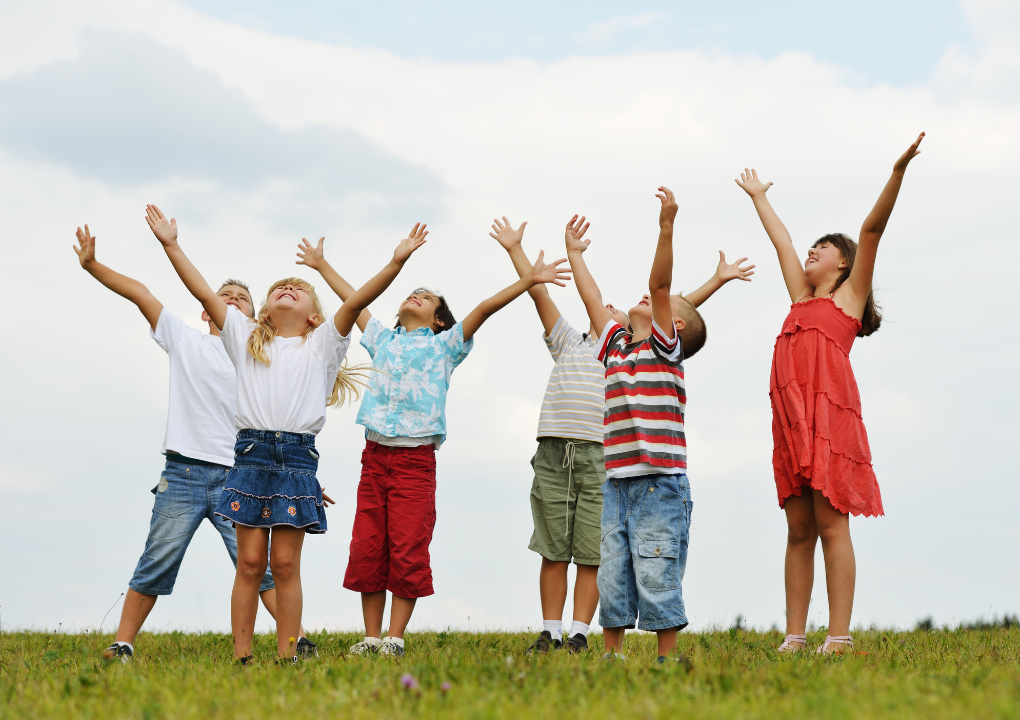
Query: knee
x,y
831,532
802,533
284,567
251,566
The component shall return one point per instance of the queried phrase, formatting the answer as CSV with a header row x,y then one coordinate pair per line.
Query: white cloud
x,y
535,142
608,30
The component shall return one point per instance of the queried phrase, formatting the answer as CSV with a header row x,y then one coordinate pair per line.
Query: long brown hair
x,y
848,249
349,381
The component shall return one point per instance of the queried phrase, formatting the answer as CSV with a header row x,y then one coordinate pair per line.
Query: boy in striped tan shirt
x,y
569,465
646,497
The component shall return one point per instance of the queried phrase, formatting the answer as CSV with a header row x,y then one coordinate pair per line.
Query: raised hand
x,y
576,228
909,155
732,271
411,243
669,207
750,183
505,234
551,273
164,230
308,254
86,248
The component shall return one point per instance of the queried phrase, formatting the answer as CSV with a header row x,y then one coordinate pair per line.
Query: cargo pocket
x,y
173,495
658,568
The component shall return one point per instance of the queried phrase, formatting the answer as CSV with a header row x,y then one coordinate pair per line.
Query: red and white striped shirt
x,y
643,427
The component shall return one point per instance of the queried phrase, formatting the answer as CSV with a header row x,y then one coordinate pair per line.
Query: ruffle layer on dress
x,y
264,497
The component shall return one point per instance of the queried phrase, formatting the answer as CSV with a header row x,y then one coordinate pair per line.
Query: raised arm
x,y
313,257
355,304
661,277
859,282
121,284
723,274
586,286
510,239
166,232
540,273
793,271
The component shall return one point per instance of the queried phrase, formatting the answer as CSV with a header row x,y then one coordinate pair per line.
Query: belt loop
x,y
304,439
262,436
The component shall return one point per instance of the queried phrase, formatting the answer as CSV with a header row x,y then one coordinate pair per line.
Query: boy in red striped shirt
x,y
646,508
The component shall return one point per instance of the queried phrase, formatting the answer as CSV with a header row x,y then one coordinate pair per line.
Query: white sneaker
x,y
368,646
391,648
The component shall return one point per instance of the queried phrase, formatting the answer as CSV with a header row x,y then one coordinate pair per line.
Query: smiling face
x,y
290,299
419,310
238,297
642,312
824,265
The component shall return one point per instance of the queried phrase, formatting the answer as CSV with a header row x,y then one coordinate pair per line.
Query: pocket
x,y
176,499
315,455
658,567
610,507
242,447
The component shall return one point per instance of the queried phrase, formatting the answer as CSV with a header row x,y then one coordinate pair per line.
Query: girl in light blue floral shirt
x,y
404,414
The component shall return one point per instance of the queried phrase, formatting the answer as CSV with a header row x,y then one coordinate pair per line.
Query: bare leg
x,y
667,641
586,593
373,605
613,638
132,615
840,564
285,562
400,615
252,552
802,536
552,588
269,601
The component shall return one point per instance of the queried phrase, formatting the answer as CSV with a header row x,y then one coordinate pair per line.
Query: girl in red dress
x,y
821,458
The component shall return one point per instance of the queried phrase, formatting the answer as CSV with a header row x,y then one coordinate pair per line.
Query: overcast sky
x,y
256,126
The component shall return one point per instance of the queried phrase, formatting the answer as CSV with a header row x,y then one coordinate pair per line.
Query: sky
x,y
256,125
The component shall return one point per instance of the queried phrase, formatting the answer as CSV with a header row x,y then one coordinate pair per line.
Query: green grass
x,y
925,674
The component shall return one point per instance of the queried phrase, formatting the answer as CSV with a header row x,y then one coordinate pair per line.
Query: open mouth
x,y
288,294
412,300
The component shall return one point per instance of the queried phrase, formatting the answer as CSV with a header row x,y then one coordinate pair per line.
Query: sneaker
x,y
365,647
544,644
576,644
613,656
391,649
245,661
306,649
118,652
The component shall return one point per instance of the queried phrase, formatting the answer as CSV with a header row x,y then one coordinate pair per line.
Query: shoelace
x,y
845,640
568,463
788,643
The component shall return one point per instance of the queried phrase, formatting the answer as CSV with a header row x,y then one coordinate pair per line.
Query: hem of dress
x,y
845,511
308,528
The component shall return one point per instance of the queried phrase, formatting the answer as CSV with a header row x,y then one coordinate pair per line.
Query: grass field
x,y
925,674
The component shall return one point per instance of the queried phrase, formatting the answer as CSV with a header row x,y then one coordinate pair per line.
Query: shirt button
x,y
658,551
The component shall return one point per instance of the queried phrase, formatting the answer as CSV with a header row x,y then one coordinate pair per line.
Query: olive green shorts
x,y
566,500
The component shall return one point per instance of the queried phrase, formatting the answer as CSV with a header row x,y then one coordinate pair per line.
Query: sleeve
x,y
237,328
562,337
609,336
171,331
330,345
453,345
375,336
670,351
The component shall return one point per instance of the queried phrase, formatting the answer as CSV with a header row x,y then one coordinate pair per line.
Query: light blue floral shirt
x,y
407,396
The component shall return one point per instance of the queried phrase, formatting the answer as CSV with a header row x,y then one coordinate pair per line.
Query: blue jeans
x,y
645,531
185,496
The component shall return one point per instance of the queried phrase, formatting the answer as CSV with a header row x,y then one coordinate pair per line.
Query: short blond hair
x,y
349,381
694,333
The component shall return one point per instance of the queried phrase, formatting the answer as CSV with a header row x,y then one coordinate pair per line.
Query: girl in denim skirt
x,y
289,367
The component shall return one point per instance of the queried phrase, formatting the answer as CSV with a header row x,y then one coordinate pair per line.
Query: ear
x,y
314,320
679,324
205,317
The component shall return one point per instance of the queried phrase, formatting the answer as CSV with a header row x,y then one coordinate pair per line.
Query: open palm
x,y
505,234
308,254
751,184
86,247
549,273
411,243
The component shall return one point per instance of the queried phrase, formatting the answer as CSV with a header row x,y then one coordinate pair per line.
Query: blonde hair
x,y
349,381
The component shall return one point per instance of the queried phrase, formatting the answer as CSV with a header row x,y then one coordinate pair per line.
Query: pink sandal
x,y
788,643
832,645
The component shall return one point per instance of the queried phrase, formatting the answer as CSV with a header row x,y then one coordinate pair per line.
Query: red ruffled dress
x,y
818,435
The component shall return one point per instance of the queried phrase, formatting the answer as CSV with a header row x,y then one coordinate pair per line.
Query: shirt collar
x,y
419,331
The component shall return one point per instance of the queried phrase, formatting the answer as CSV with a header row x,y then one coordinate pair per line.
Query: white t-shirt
x,y
290,393
200,415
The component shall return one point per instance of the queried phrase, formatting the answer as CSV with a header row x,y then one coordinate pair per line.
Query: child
x,y
646,508
198,441
288,370
569,464
404,414
819,440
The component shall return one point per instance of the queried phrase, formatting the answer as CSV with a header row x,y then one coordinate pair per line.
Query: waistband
x,y
375,447
185,460
303,439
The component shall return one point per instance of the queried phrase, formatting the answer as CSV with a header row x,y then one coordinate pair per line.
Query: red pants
x,y
394,522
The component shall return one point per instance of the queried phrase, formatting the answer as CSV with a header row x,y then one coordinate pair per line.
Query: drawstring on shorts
x,y
568,463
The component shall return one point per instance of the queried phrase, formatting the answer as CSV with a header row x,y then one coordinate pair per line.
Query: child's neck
x,y
288,325
639,331
213,330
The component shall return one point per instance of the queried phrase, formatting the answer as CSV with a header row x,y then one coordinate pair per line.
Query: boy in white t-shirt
x,y
199,446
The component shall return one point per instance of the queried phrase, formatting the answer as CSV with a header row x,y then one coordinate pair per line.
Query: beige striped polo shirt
x,y
575,399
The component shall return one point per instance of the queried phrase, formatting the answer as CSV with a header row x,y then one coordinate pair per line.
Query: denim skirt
x,y
272,483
